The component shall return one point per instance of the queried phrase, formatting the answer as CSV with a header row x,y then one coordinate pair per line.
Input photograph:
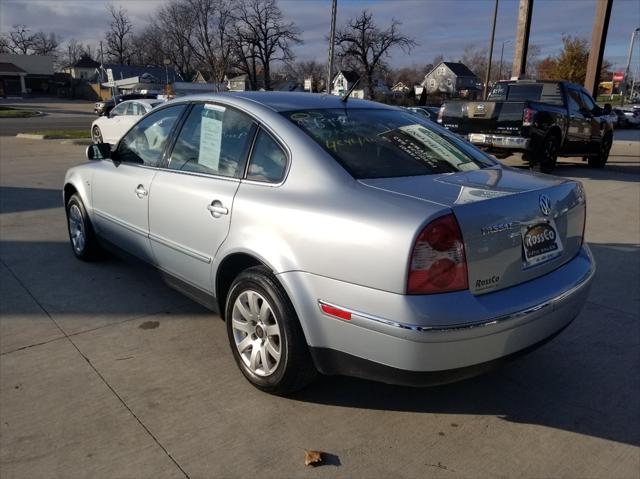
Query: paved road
x,y
106,372
59,115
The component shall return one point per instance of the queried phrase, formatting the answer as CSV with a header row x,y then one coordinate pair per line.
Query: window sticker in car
x,y
211,136
438,145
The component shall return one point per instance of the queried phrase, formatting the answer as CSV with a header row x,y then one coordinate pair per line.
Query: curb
x,y
77,141
31,136
66,141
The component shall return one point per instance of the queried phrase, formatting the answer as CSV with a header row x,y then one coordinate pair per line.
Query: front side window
x,y
268,162
573,100
214,140
587,102
119,110
380,143
144,144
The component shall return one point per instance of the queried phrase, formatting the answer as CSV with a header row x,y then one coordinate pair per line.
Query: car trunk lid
x,y
515,226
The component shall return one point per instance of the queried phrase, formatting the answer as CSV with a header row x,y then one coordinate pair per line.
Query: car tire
x,y
96,135
82,238
265,335
600,160
546,157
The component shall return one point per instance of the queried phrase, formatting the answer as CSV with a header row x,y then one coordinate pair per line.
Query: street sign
x,y
110,80
618,76
307,84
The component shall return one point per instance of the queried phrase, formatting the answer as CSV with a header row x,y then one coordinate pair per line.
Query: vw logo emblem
x,y
480,107
545,205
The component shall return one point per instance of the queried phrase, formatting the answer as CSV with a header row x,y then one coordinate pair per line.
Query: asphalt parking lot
x,y
107,372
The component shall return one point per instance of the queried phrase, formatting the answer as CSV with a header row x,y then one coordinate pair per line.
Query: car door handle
x,y
216,209
141,192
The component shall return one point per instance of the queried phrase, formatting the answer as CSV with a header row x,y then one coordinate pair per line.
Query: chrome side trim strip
x,y
459,327
121,223
180,249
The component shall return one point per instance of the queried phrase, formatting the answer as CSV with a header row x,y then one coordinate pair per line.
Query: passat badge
x,y
545,205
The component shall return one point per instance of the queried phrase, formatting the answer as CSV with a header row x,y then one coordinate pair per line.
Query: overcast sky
x,y
439,26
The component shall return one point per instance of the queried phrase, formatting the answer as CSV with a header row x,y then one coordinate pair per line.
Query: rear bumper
x,y
499,141
445,334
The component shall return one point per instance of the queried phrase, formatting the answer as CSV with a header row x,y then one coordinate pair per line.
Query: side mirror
x,y
607,108
99,151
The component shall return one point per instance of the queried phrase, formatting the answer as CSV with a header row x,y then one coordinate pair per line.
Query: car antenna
x,y
353,87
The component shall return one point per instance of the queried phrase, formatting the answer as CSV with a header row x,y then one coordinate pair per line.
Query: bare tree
x,y
19,40
73,51
148,47
363,44
261,36
45,44
118,37
307,69
4,44
212,44
176,22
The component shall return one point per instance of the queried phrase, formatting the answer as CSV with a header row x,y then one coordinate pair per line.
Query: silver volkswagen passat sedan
x,y
341,237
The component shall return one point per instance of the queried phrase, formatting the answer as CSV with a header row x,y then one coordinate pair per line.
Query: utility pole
x,y
501,56
332,40
493,35
598,39
522,39
625,80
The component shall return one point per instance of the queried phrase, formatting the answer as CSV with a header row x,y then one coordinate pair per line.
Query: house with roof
x,y
449,78
343,81
83,69
400,87
24,74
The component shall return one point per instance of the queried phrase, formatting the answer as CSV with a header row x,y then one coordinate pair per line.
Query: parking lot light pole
x,y
501,56
625,80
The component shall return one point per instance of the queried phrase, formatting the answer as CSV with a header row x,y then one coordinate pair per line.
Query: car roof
x,y
148,101
287,101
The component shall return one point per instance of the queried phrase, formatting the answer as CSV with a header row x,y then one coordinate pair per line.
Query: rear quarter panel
x,y
322,221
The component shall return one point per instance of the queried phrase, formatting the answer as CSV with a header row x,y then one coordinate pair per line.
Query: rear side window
x,y
214,140
268,162
381,143
544,92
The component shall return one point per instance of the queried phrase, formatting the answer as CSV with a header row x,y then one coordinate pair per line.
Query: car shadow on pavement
x,y
585,381
15,199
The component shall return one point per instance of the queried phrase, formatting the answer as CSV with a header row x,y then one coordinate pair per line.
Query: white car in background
x,y
633,117
111,127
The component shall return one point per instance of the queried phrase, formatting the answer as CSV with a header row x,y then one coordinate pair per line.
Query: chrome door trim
x,y
119,222
180,249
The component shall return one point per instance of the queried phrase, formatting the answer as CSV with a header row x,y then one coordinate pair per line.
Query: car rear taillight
x,y
438,262
527,117
440,114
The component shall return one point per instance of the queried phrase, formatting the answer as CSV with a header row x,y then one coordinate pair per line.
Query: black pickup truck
x,y
540,119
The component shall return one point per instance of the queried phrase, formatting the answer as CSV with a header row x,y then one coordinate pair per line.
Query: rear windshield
x,y
376,143
544,92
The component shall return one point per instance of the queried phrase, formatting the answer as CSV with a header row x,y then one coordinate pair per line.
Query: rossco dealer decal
x,y
487,283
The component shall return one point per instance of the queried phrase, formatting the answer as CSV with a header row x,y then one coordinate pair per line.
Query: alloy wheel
x,y
76,229
96,134
256,333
